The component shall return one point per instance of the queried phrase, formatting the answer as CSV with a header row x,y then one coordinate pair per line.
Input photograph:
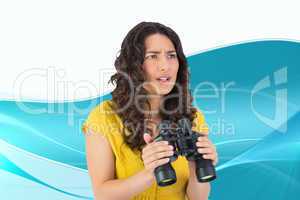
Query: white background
x,y
56,50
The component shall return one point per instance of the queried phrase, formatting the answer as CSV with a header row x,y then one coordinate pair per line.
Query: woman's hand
x,y
155,154
196,189
207,148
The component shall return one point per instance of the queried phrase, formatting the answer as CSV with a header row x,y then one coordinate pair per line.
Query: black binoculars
x,y
183,139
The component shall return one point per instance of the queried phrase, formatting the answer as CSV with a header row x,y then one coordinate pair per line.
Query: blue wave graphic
x,y
257,159
11,167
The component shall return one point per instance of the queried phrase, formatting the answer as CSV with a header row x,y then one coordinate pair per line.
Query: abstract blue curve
x,y
7,165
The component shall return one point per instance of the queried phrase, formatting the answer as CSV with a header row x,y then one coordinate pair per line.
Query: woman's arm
x,y
101,167
196,190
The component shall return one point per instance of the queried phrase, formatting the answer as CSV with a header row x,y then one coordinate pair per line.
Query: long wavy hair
x,y
128,65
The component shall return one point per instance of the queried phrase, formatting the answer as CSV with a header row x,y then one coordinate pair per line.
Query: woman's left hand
x,y
207,148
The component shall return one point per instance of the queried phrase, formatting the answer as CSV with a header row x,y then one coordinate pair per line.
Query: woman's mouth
x,y
164,79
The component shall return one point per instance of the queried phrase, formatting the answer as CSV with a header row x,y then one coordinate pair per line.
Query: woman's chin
x,y
165,91
161,91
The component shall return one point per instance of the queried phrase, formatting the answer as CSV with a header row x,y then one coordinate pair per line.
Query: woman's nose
x,y
163,64
162,68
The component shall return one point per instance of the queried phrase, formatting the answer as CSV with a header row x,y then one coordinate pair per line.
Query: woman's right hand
x,y
155,153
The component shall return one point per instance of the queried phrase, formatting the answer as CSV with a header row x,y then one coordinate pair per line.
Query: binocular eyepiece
x,y
183,139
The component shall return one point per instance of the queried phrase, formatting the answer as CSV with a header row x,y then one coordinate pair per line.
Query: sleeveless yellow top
x,y
128,162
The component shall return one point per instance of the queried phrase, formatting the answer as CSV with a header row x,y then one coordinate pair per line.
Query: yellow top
x,y
128,162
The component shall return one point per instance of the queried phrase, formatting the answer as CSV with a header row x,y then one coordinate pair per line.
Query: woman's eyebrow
x,y
171,51
157,52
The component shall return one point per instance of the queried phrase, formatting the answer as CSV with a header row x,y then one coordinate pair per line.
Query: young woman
x,y
151,85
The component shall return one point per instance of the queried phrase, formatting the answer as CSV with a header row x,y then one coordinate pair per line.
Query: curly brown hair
x,y
129,67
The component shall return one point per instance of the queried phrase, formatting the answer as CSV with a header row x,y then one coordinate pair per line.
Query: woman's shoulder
x,y
104,120
104,108
101,117
103,111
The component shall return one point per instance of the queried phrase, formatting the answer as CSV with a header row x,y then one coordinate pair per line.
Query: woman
x,y
151,85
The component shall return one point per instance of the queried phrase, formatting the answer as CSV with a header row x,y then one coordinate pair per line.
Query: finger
x,y
159,143
149,151
205,150
203,144
209,156
158,156
160,162
153,144
212,157
147,137
215,162
203,138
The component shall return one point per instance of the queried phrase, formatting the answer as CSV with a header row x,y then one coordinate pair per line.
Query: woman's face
x,y
160,64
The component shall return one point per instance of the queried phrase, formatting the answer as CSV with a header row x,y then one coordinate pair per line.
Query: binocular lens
x,y
206,174
165,175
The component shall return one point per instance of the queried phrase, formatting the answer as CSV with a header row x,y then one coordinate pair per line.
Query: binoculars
x,y
183,139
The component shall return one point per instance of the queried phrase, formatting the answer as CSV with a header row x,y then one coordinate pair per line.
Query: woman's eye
x,y
172,56
152,56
